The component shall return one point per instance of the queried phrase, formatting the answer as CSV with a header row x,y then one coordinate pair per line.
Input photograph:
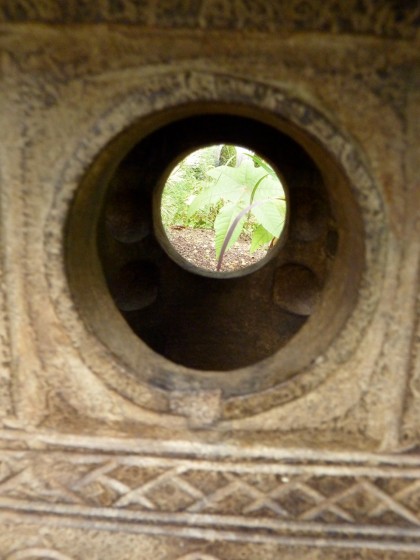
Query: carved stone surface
x,y
102,457
220,493
370,17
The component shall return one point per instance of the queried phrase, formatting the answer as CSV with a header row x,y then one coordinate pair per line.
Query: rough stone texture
x,y
97,462
382,18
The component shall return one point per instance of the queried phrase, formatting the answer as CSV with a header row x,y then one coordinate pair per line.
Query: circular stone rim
x,y
170,250
316,129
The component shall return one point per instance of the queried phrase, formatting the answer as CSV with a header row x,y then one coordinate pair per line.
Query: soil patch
x,y
197,246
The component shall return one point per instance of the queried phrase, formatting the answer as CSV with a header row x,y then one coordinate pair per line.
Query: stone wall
x,y
109,447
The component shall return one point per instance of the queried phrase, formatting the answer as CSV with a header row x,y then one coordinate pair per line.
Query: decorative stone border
x,y
216,492
382,18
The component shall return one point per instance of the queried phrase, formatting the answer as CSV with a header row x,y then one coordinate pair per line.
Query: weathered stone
x,y
296,289
196,418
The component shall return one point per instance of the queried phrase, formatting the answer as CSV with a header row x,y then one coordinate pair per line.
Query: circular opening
x,y
222,208
212,321
136,292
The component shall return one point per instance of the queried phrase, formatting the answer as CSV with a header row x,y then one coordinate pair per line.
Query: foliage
x,y
233,199
186,181
249,192
228,155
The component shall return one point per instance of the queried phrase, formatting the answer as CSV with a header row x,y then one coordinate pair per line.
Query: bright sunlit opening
x,y
223,208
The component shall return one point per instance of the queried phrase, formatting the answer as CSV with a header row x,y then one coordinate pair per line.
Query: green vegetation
x,y
186,181
229,190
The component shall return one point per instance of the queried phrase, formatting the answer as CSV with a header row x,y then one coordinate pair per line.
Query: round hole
x,y
222,209
198,318
180,327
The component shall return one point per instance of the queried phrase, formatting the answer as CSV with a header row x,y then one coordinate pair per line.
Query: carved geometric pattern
x,y
146,484
167,493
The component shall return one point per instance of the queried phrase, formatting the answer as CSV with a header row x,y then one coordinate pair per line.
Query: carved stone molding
x,y
219,492
383,18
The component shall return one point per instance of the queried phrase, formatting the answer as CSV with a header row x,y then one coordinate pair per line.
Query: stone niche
x,y
150,411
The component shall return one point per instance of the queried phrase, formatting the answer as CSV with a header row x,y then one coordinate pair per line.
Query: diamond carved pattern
x,y
167,489
168,493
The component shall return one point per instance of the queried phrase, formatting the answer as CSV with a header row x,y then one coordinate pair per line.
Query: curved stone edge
x,y
180,87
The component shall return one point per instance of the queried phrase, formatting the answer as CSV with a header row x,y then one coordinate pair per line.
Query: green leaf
x,y
254,190
261,163
222,223
260,237
236,180
224,188
269,188
201,201
225,197
271,216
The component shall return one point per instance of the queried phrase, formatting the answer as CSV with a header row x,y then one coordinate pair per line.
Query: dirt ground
x,y
197,246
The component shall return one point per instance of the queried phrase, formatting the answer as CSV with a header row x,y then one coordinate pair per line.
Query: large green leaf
x,y
222,223
201,201
260,237
271,216
244,190
269,188
261,163
237,185
234,179
224,188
